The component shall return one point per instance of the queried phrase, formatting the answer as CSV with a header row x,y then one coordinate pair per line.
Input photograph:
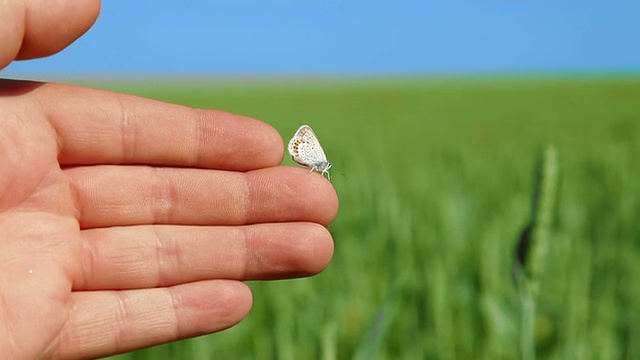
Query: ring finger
x,y
165,255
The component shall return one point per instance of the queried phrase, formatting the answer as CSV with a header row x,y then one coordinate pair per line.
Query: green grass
x,y
437,189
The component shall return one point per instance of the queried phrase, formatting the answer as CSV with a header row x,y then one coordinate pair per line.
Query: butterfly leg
x,y
328,174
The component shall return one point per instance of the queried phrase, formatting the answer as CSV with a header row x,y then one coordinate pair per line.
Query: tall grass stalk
x,y
534,245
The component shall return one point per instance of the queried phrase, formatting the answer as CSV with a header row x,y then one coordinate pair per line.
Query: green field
x,y
437,188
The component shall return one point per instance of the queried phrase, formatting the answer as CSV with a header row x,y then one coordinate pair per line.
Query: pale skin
x,y
127,222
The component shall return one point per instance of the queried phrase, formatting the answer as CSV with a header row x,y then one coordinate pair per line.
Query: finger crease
x,y
176,303
123,318
249,254
203,136
162,197
128,133
168,258
246,200
88,263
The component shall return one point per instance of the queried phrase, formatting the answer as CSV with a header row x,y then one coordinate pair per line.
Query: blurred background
x,y
465,130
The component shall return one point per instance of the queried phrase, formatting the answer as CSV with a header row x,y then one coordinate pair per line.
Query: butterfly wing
x,y
316,152
305,149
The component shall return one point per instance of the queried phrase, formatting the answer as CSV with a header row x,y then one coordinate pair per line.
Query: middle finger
x,y
138,195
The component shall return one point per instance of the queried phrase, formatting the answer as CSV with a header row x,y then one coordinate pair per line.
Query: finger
x,y
109,322
156,256
38,28
134,195
102,127
12,28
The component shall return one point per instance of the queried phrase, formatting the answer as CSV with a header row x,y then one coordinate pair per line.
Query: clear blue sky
x,y
359,37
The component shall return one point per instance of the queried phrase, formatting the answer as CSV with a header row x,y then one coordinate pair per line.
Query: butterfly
x,y
305,149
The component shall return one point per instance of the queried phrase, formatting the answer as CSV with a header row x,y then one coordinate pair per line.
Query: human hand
x,y
127,222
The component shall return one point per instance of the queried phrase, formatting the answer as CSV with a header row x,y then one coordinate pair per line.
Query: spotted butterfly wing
x,y
305,149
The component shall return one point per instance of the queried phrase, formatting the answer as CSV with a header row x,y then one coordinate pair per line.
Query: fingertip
x,y
291,250
51,26
248,143
219,304
290,194
319,248
274,145
320,196
332,203
238,298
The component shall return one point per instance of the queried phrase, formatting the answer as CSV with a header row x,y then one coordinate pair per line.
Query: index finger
x,y
103,127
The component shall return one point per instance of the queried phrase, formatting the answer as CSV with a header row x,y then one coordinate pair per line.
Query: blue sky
x,y
358,37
